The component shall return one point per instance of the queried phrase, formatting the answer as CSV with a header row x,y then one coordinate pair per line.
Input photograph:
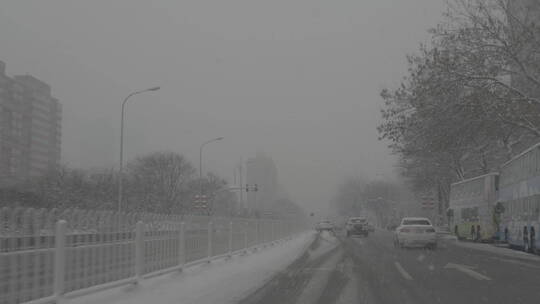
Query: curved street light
x,y
200,161
121,177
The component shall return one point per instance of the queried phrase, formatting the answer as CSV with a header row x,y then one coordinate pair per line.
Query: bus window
x,y
537,150
527,165
531,164
527,208
512,207
526,160
514,172
521,167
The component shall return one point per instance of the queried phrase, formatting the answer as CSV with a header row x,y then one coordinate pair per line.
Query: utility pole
x,y
256,203
240,169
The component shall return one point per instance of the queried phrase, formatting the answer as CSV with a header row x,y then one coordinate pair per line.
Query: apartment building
x,y
30,128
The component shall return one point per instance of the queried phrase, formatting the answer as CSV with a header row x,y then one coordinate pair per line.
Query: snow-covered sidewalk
x,y
504,251
221,281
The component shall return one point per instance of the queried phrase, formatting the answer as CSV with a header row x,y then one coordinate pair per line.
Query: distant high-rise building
x,y
30,128
262,171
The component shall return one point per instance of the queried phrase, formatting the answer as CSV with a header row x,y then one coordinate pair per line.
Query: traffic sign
x,y
253,188
428,202
200,201
428,205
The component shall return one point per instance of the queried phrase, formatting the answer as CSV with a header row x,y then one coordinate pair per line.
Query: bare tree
x,y
160,182
493,46
470,99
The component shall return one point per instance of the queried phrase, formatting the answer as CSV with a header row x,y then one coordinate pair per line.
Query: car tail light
x,y
405,230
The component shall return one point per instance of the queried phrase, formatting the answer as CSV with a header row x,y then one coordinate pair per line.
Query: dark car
x,y
324,226
357,226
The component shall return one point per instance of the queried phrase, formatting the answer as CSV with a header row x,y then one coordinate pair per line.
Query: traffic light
x,y
247,187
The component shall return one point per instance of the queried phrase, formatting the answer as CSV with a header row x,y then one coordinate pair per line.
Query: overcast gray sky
x,y
298,79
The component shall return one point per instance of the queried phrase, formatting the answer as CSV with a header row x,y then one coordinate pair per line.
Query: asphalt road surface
x,y
370,270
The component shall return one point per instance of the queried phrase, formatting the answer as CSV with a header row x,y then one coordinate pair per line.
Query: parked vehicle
x,y
518,207
357,226
415,232
503,206
471,208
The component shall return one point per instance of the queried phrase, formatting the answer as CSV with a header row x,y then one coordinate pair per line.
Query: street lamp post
x,y
200,162
121,177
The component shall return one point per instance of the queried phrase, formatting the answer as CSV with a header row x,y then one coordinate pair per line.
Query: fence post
x,y
139,251
59,259
230,238
210,239
182,245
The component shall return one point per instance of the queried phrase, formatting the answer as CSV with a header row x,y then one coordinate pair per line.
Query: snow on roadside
x,y
222,281
351,292
324,244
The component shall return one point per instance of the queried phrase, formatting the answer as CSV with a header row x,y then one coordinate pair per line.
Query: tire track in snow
x,y
287,286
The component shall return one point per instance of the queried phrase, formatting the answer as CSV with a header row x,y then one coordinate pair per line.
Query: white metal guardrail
x,y
46,255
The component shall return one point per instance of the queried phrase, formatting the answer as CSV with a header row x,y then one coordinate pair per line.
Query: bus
x,y
472,203
519,199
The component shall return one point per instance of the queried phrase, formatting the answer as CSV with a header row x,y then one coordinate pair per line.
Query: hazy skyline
x,y
299,80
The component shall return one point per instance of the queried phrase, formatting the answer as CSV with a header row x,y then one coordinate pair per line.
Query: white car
x,y
415,232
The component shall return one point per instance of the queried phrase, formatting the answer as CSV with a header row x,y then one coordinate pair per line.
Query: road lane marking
x,y
402,271
467,270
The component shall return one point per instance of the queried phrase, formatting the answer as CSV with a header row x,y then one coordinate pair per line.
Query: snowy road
x,y
339,270
371,270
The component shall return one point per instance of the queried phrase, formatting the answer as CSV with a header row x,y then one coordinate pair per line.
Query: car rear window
x,y
416,222
358,221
